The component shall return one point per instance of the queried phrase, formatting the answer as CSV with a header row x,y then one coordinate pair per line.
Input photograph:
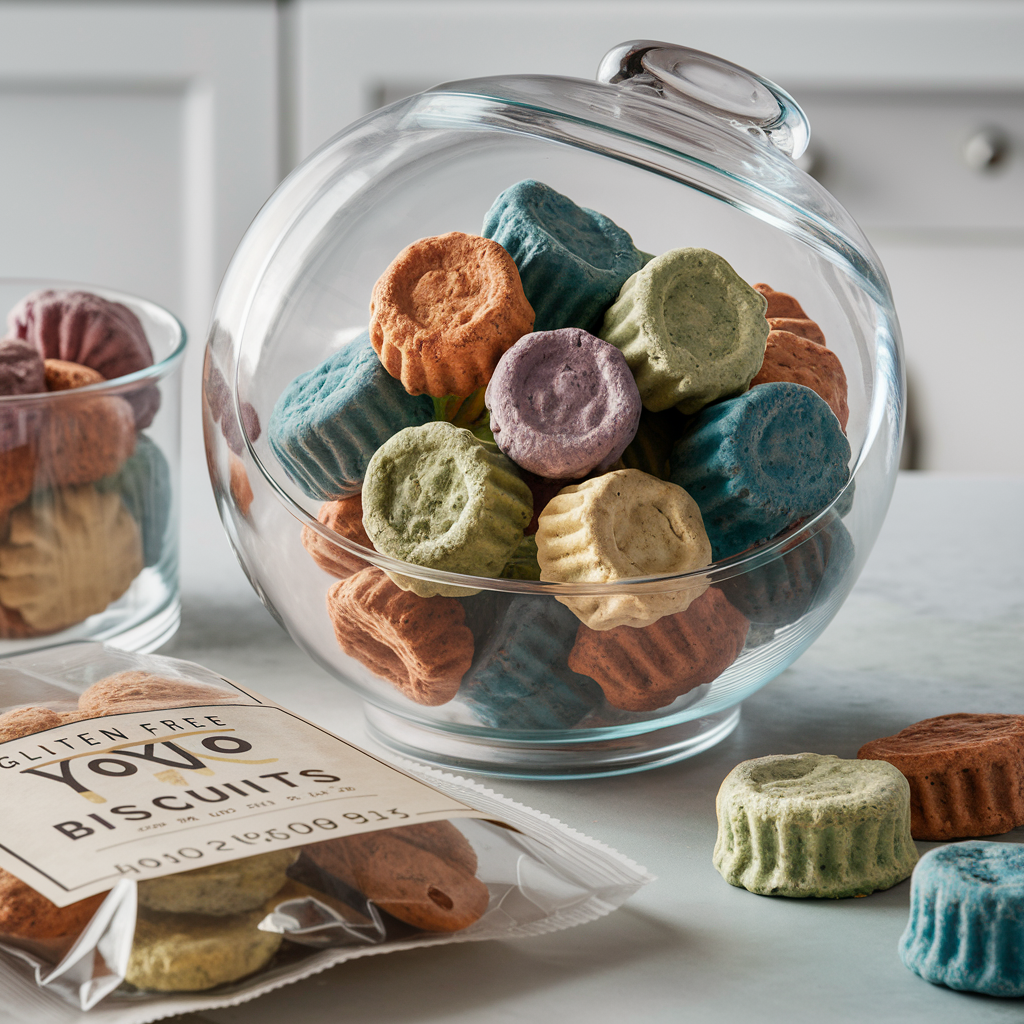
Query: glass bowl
x,y
681,149
89,503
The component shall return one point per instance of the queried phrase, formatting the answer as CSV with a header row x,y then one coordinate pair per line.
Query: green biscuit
x,y
691,330
436,496
814,825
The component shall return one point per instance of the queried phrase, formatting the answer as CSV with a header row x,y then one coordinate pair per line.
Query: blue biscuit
x,y
966,927
144,482
521,679
757,463
572,261
328,422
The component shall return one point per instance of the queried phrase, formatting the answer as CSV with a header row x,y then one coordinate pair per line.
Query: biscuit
x,y
691,329
144,484
622,525
25,721
142,691
572,261
328,422
82,440
814,825
238,484
79,327
437,497
21,368
966,773
64,376
758,463
344,517
789,357
445,310
966,926
219,889
424,874
17,476
420,645
195,952
26,914
13,626
648,668
784,313
563,403
69,554
521,679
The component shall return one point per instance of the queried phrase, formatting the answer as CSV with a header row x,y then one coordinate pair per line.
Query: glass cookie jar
x,y
681,149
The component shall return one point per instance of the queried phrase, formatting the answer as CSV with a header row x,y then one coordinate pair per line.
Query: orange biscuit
x,y
17,476
424,874
63,376
784,313
142,691
83,440
344,517
789,357
25,721
420,644
241,489
966,773
27,915
445,311
648,668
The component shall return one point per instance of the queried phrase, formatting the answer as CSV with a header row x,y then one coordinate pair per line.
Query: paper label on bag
x,y
150,793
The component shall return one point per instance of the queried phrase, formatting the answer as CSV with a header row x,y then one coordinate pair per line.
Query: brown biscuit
x,y
64,376
83,440
784,313
26,914
648,668
966,773
424,875
17,476
241,489
25,721
420,644
142,691
344,517
445,311
13,626
788,357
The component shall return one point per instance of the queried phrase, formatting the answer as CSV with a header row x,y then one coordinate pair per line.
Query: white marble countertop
x,y
935,625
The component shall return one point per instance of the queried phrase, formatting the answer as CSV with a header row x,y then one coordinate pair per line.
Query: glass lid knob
x,y
718,88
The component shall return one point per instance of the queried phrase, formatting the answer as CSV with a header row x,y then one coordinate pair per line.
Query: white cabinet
x,y
139,140
894,91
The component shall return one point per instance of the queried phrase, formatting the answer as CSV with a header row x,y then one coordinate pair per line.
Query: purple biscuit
x,y
21,368
563,403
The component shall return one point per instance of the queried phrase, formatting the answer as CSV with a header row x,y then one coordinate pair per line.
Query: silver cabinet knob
x,y
987,150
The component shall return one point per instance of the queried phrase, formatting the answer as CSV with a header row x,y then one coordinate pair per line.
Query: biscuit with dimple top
x,y
645,669
195,952
28,915
691,329
344,517
618,526
966,773
420,645
67,557
219,889
424,874
814,825
142,691
789,357
563,403
436,496
83,440
445,310
62,375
